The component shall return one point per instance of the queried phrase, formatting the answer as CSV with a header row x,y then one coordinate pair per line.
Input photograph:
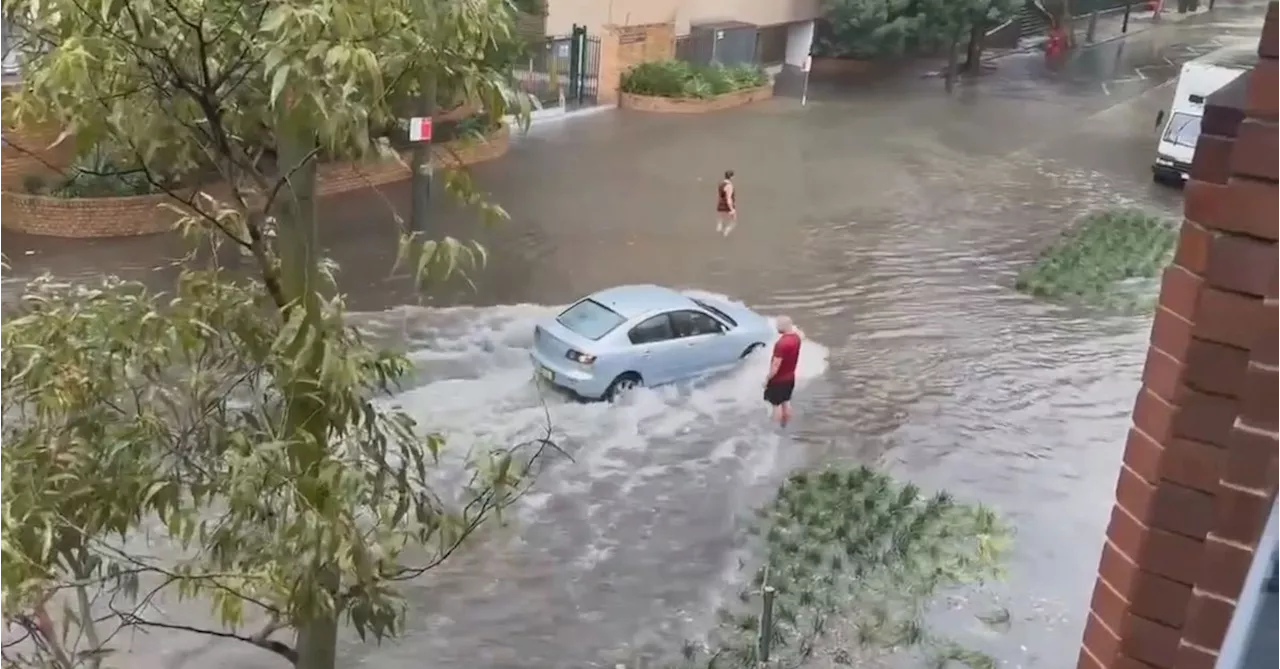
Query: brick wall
x,y
141,215
1199,471
622,47
25,153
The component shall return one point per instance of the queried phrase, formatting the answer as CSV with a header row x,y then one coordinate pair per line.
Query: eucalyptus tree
x,y
244,421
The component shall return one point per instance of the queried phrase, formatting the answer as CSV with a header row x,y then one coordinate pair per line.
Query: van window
x,y
1183,130
590,319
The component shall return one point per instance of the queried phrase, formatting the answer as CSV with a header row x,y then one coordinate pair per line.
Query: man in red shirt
x,y
782,370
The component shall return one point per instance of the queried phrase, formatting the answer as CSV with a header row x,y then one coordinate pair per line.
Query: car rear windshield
x,y
717,313
590,319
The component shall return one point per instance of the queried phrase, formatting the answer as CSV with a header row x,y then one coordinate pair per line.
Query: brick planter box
x,y
842,67
140,215
335,178
87,216
661,105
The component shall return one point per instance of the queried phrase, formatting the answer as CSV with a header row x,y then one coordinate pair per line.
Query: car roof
x,y
639,299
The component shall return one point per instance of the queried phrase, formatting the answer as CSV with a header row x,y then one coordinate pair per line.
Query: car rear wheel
x,y
622,385
751,349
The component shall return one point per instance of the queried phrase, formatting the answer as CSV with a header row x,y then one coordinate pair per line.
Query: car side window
x,y
655,329
694,323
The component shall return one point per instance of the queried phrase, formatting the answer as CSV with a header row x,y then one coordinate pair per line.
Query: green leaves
x,y
852,544
255,453
1109,259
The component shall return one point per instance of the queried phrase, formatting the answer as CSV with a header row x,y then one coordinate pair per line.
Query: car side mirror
x,y
1159,118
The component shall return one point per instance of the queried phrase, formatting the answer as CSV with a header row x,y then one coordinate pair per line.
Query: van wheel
x,y
622,385
751,349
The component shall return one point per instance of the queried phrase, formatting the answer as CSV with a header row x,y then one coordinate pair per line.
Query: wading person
x,y
781,381
726,205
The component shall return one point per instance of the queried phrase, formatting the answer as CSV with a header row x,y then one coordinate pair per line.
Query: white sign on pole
x,y
808,63
420,129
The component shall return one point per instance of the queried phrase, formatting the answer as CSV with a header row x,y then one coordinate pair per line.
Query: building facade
x,y
1187,574
784,27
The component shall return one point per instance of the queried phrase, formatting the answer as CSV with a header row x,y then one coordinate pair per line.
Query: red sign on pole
x,y
420,129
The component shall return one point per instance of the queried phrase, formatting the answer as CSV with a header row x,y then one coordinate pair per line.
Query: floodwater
x,y
888,220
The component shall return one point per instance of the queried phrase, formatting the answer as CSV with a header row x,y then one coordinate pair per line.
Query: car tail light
x,y
580,357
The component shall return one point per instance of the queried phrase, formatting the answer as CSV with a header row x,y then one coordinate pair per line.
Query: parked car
x,y
644,335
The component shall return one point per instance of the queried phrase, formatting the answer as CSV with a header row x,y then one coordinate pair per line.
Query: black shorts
x,y
779,392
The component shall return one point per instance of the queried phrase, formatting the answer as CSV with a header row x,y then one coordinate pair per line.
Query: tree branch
x,y
278,647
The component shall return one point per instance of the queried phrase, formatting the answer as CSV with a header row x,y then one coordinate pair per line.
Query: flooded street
x,y
888,220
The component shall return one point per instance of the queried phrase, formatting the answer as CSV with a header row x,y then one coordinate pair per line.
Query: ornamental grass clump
x,y
1110,259
679,79
854,547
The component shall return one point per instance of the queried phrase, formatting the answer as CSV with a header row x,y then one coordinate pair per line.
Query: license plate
x,y
546,374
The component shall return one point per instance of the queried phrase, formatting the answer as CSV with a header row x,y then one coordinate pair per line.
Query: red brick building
x,y
1198,482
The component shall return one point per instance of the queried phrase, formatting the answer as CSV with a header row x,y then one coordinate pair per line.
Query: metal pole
x,y
766,625
423,171
804,92
1093,27
1124,29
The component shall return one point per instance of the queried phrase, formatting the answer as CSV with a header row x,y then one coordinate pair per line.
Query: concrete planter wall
x,y
663,105
141,214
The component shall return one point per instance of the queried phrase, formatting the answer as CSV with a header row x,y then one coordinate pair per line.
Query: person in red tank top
x,y
781,381
726,205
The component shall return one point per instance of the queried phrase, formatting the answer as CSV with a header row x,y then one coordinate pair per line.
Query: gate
x,y
563,71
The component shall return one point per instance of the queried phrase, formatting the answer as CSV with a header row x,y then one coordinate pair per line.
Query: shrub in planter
x,y
678,79
1112,258
96,175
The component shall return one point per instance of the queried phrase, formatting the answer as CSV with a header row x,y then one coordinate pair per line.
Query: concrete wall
x,y
624,46
799,42
1199,474
596,14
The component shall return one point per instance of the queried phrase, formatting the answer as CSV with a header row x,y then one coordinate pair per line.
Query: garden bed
x,y
674,86
1112,258
64,215
87,217
335,178
852,545
653,103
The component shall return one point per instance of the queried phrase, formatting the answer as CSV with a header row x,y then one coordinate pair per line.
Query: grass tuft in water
x,y
853,545
1111,259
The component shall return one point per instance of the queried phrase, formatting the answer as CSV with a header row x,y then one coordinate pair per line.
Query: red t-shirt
x,y
787,349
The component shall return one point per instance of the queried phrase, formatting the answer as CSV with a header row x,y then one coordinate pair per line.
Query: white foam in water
x,y
656,482
477,390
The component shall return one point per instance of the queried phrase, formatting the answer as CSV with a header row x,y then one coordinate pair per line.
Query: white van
x,y
1181,125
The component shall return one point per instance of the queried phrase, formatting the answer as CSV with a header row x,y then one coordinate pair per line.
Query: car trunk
x,y
554,340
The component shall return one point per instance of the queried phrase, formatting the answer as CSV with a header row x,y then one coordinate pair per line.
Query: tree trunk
x,y
317,644
973,51
295,212
953,57
423,171
304,288
1068,25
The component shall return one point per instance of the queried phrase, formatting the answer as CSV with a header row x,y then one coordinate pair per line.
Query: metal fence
x,y
562,70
